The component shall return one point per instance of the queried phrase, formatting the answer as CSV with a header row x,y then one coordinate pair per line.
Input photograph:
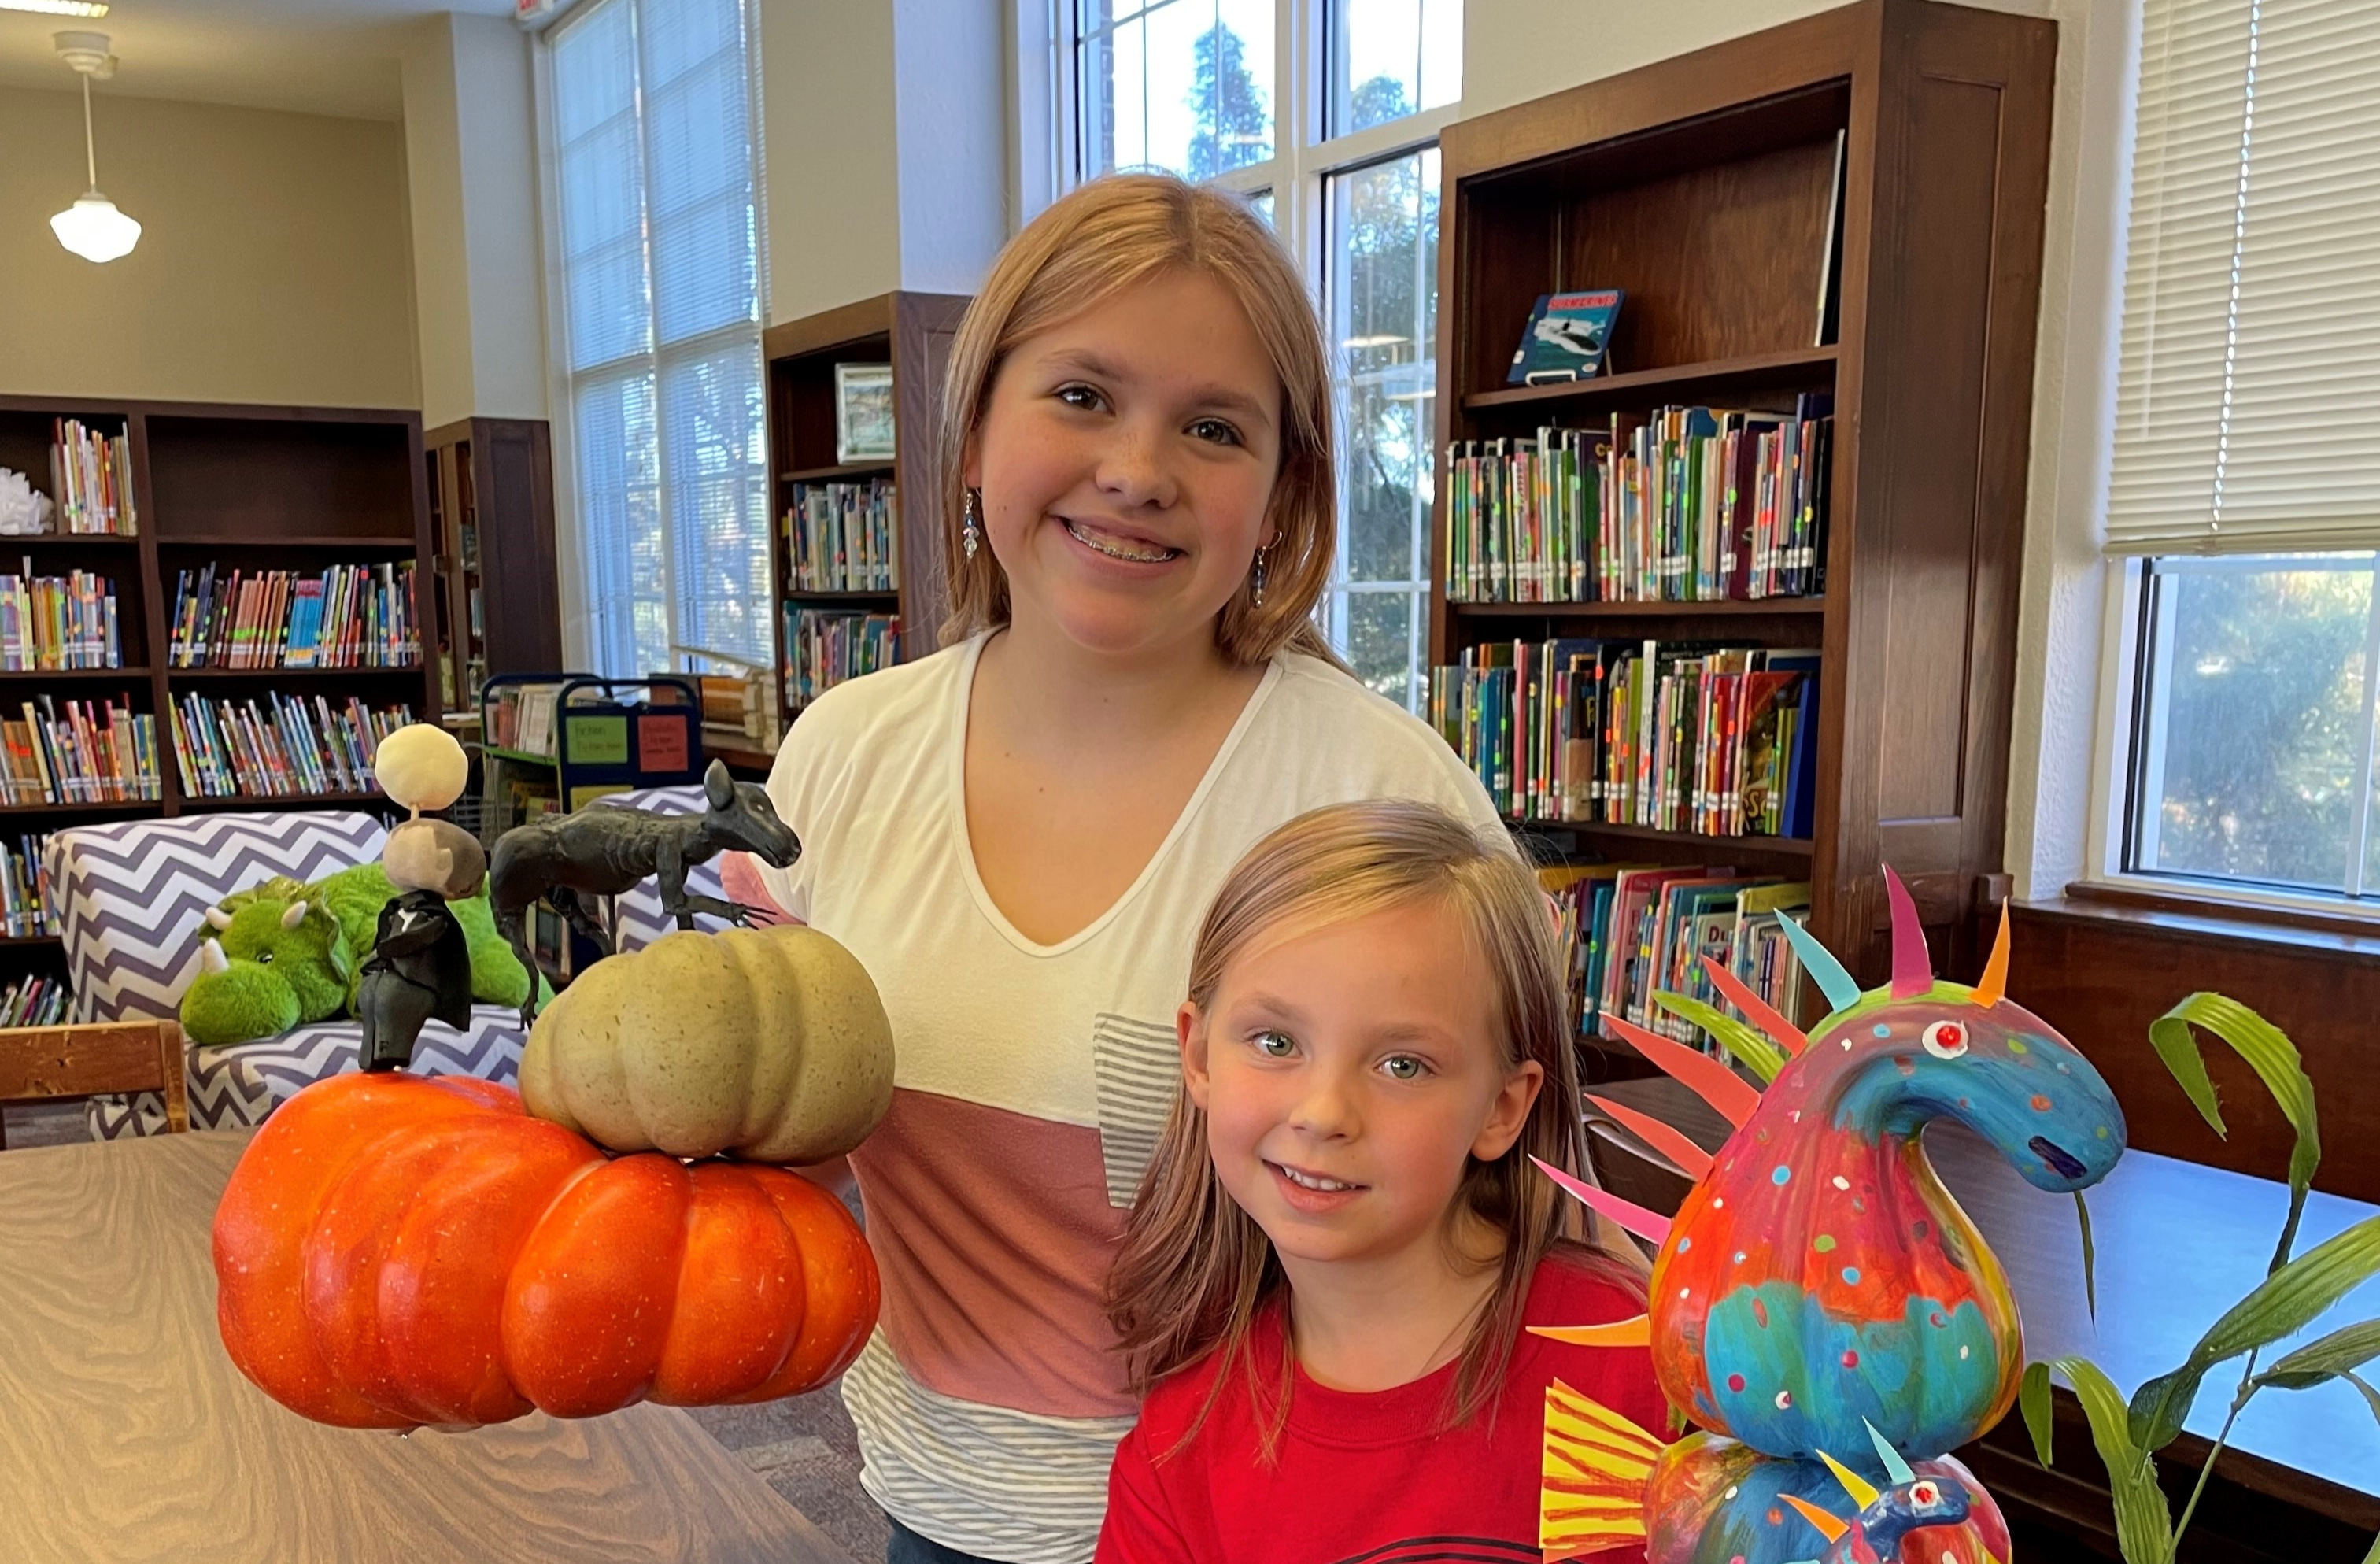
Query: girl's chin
x,y
1118,623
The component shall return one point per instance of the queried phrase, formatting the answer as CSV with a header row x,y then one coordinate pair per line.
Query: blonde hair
x,y
1088,246
1194,1267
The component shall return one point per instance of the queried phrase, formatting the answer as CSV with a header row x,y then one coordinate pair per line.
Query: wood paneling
x,y
2101,972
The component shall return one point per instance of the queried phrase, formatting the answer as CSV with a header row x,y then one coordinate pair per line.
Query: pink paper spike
x,y
1628,1214
1757,1010
1708,1078
1691,1159
1912,967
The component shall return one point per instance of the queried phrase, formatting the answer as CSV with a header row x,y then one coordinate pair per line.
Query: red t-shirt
x,y
1368,1474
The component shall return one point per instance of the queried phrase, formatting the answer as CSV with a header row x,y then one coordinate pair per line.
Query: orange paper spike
x,y
1709,1080
1993,987
1827,1525
1627,1213
1758,1011
1691,1159
1637,1332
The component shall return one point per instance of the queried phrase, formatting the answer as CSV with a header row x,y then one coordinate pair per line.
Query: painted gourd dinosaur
x,y
1819,1282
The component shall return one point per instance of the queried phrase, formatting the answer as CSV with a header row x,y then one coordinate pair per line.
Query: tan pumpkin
x,y
764,1044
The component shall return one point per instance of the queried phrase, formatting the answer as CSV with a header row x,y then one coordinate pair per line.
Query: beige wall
x,y
274,264
1514,50
830,155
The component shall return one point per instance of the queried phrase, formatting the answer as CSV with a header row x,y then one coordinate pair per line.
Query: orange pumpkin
x,y
396,1249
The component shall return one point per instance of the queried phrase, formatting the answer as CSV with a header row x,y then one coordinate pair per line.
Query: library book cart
x,y
1708,189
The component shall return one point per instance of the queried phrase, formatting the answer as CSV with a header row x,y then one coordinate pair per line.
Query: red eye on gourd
x,y
1946,1040
1923,1494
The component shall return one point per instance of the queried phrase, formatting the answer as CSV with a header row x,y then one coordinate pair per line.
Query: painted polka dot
x,y
1739,1256
1760,1313
1793,1114
1921,1227
1842,1182
1851,1359
2016,1044
1776,1516
1784,1399
1735,1382
1684,1245
1847,1045
1948,1557
1963,1350
2064,1068
1824,1243
1718,1203
2102,1132
1936,1321
2040,1103
1685,1291
1782,1175
1851,1275
1904,1063
1732,1492
1881,1030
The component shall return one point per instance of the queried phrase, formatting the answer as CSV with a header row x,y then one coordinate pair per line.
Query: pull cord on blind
x,y
2248,389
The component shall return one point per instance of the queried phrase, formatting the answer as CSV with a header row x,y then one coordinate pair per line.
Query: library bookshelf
x,y
913,333
489,483
244,486
1704,185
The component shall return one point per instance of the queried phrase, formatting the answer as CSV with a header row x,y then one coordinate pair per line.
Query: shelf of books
x,y
856,553
201,607
1729,497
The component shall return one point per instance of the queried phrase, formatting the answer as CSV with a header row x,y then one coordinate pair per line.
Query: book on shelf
x,y
347,616
41,999
1632,930
824,647
284,747
88,753
27,908
92,472
522,720
1683,505
1683,736
58,622
1568,338
842,537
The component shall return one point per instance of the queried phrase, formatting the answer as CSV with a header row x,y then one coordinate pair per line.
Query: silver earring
x,y
971,535
1259,577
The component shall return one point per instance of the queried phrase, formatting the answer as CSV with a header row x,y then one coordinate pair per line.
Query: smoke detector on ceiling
x,y
85,52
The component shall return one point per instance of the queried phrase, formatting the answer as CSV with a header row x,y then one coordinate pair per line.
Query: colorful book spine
x,y
28,908
91,472
824,648
844,537
58,622
279,746
347,616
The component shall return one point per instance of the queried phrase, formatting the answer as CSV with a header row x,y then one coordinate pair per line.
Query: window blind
x,y
2248,387
660,253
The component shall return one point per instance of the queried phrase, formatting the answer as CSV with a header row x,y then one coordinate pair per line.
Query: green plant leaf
x,y
2370,1396
2033,1399
2275,1060
2350,1347
2143,1523
2089,1258
1754,1053
2283,1302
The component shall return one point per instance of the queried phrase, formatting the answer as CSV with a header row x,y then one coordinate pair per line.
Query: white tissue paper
x,y
24,509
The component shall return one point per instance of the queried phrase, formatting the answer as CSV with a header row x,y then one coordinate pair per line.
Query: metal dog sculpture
x,y
563,858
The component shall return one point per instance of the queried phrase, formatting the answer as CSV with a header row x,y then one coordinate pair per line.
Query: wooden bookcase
x,y
489,483
1702,185
249,487
912,331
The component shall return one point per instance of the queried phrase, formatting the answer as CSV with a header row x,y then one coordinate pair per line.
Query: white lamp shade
x,y
93,230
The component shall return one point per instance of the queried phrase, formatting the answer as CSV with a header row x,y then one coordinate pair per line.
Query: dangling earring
x,y
972,533
1259,574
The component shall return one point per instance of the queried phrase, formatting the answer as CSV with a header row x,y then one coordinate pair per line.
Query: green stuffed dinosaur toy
x,y
280,954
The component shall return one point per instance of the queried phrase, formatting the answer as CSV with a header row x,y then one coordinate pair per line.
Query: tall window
x,y
1342,161
2245,496
656,228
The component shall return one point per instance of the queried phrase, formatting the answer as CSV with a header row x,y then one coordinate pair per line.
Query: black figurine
x,y
603,852
419,967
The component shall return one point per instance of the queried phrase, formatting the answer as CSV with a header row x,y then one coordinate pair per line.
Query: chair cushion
x,y
132,893
235,1085
637,919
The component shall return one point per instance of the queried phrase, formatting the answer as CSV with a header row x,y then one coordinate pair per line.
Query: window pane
x,y
700,192
1262,203
1392,58
619,519
1384,225
1184,85
2255,716
717,440
1379,642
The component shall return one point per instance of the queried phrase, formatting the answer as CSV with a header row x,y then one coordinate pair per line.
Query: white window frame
x,y
1298,175
2116,748
561,380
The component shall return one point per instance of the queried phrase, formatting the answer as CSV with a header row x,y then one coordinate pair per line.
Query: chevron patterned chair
x,y
133,895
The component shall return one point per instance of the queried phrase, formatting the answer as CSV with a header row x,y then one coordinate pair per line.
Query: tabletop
x,y
2177,1244
129,1435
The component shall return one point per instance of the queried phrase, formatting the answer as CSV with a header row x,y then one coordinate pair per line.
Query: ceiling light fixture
x,y
91,8
92,228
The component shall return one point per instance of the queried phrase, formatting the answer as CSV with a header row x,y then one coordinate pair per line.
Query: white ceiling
x,y
312,57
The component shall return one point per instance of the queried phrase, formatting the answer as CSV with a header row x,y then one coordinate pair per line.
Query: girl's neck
x,y
1374,1325
1050,689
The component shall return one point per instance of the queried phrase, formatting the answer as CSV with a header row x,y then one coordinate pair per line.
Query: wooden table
x,y
2178,1244
126,1434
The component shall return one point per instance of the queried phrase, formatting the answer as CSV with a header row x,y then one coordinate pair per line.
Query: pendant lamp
x,y
92,227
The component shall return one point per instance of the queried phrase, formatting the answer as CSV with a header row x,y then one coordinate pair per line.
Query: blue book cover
x,y
1567,338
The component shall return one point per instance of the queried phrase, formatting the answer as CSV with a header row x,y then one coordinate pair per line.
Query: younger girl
x,y
1340,1239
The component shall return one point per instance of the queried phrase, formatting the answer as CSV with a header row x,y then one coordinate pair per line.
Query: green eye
x,y
265,958
1275,1044
1403,1067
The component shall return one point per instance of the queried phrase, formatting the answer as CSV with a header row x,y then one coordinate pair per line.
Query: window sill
x,y
2212,920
